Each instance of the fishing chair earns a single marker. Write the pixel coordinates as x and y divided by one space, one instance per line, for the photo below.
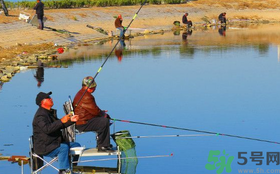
37 162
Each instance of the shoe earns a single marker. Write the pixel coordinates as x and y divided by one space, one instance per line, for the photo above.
105 149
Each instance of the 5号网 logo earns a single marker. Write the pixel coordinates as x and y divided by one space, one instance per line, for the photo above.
220 163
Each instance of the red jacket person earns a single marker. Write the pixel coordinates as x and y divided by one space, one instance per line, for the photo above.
92 118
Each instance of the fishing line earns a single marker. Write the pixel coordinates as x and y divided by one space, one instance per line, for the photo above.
100 68
108 159
194 130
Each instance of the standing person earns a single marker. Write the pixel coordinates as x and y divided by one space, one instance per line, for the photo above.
40 13
222 18
47 135
186 21
118 25
92 118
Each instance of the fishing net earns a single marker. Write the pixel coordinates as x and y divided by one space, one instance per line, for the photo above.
123 141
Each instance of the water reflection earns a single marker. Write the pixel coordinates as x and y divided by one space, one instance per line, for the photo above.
222 30
119 50
186 34
39 76
262 48
95 169
185 49
224 80
1 85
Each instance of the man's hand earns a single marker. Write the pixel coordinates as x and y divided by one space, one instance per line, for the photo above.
75 118
65 118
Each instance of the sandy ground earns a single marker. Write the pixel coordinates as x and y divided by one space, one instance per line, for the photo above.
14 32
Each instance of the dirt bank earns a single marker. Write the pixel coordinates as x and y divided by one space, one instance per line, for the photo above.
18 36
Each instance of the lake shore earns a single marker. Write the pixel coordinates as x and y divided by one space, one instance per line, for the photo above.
151 17
69 26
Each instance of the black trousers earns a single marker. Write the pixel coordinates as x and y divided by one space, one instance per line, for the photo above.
101 125
189 23
223 20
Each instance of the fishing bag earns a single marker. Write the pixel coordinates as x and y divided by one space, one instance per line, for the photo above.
122 139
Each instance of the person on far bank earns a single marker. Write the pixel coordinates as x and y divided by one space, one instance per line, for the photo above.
47 135
92 118
118 25
222 18
40 13
186 21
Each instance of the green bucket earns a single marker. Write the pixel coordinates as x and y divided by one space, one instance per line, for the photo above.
123 141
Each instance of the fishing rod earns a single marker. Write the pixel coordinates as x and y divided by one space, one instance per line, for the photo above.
164 136
100 68
108 159
134 17
194 130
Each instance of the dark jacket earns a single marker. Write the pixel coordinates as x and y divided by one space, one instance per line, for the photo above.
222 16
118 22
185 19
87 107
47 134
39 10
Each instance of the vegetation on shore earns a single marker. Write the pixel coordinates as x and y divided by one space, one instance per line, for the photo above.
54 4
229 4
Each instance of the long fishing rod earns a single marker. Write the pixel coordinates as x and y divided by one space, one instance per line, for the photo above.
194 130
100 68
134 17
136 157
164 136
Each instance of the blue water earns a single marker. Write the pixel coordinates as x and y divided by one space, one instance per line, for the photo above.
229 91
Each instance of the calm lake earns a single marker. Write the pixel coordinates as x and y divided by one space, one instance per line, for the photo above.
226 82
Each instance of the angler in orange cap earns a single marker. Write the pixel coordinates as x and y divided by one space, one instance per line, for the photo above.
47 135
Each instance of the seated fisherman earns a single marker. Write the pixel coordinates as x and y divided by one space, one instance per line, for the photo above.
186 21
47 135
92 118
222 18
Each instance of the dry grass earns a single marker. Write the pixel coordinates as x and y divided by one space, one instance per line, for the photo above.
13 16
83 15
29 49
50 18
